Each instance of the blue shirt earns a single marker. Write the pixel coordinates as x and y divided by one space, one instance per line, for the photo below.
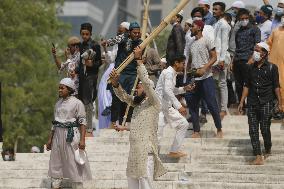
209 19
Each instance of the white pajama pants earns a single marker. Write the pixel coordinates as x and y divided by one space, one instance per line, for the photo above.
177 121
143 182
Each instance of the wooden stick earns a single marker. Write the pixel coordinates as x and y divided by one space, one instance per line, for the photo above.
155 33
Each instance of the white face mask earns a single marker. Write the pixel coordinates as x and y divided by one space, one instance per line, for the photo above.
256 56
244 23
196 18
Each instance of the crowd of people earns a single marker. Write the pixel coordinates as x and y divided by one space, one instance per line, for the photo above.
217 59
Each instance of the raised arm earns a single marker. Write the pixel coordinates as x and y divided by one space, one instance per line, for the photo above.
116 40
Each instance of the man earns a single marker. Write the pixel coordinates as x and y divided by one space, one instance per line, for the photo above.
203 57
88 72
261 87
176 40
104 94
263 19
172 109
222 32
246 38
208 18
279 12
236 6
143 161
126 43
276 56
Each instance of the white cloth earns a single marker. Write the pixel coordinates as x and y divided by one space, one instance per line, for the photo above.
143 182
265 29
166 89
221 35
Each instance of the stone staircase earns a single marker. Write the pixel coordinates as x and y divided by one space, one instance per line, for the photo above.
211 164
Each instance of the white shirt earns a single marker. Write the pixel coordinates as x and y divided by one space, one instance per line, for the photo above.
221 34
265 29
166 89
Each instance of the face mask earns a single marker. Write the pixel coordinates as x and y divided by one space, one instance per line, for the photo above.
259 19
244 23
196 18
7 157
256 56
279 11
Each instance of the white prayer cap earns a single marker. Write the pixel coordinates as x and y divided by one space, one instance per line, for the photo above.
238 4
125 25
204 2
80 156
181 13
35 149
281 1
164 60
68 82
190 21
264 45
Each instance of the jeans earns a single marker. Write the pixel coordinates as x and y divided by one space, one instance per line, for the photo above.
205 89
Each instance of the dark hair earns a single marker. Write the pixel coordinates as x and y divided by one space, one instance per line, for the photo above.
243 12
228 15
138 99
180 18
221 4
86 26
197 9
71 91
178 58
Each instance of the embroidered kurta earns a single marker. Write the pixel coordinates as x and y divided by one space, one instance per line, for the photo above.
143 129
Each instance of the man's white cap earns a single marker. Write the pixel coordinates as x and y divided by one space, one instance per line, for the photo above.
80 156
180 13
125 25
190 21
68 82
164 60
35 149
264 45
204 2
238 4
281 1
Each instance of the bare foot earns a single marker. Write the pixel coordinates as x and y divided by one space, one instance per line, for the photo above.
219 134
177 154
112 125
196 135
258 161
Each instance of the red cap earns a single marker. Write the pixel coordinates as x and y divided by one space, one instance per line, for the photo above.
199 23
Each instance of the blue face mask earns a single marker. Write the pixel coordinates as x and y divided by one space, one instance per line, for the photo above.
259 19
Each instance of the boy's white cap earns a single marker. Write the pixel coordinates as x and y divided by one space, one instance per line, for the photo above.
68 82
238 4
264 45
80 156
125 25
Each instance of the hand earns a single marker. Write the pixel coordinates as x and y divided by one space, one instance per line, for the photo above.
89 62
67 53
240 107
200 72
53 50
280 108
250 61
231 68
182 111
82 145
137 53
189 87
48 145
221 64
119 128
114 78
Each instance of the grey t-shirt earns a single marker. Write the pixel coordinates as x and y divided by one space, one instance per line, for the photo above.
200 55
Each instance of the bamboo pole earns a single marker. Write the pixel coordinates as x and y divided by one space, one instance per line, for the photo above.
155 33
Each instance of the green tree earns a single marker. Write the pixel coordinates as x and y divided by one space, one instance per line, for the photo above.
27 72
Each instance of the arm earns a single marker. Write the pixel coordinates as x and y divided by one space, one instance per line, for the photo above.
276 86
81 119
49 142
147 84
244 96
257 35
169 91
82 144
116 40
266 2
56 59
